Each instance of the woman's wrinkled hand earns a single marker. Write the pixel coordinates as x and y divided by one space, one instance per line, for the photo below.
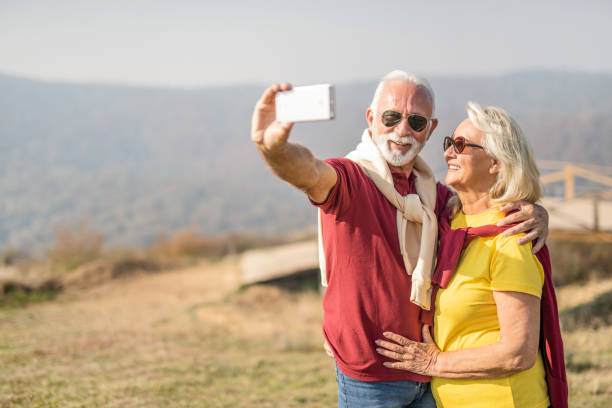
411 355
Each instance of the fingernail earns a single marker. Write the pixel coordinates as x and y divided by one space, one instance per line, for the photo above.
387 364
378 350
378 341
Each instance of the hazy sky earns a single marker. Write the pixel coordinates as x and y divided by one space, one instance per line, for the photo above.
185 43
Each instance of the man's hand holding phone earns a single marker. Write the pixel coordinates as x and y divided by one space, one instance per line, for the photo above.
293 162
266 131
282 105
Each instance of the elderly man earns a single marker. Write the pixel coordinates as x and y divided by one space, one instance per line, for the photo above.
378 225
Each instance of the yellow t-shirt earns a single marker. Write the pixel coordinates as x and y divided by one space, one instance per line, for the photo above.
466 317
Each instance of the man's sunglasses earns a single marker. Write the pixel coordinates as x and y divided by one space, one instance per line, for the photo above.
458 144
391 118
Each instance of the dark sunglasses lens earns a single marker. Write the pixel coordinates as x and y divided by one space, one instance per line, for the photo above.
417 122
448 142
459 143
391 118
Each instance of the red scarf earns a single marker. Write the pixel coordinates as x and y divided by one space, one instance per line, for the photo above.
451 243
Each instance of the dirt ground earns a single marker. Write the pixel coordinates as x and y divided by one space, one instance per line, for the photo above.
186 338
194 338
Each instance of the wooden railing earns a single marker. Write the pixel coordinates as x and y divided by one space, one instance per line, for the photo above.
568 172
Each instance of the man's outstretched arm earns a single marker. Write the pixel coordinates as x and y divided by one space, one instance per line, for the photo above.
291 162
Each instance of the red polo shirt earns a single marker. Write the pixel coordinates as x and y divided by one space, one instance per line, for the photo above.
368 289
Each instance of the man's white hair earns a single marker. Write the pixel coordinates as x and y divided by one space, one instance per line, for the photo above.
399 75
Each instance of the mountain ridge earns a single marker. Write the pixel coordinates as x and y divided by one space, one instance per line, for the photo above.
137 162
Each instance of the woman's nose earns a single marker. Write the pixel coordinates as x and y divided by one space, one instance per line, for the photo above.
449 153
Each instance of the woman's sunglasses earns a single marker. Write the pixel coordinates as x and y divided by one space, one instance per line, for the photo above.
391 118
458 144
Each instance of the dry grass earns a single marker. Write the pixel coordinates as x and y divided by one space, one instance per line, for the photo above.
588 357
182 339
580 256
192 338
73 246
588 350
76 259
191 244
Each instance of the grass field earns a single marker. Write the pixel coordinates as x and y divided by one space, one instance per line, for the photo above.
194 338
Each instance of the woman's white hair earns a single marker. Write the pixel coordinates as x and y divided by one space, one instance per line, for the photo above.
399 75
518 178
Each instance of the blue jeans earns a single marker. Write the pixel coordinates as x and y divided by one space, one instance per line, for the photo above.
393 394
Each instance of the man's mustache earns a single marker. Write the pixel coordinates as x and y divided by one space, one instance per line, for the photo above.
394 137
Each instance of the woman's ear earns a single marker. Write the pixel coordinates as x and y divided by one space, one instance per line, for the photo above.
495 167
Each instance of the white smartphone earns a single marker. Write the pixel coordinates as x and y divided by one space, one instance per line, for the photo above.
305 103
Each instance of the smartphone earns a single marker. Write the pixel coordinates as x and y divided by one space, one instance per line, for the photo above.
306 103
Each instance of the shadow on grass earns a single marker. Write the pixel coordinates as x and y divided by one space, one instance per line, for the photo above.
305 281
594 314
573 363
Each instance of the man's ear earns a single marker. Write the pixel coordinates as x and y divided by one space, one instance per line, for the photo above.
495 167
370 117
434 124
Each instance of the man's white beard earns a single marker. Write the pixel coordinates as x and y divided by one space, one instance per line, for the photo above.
397 158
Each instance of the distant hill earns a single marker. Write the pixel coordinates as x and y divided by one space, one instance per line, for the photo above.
139 162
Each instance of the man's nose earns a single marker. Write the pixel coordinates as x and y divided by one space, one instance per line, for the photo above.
403 128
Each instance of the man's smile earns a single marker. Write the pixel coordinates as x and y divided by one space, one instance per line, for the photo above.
398 144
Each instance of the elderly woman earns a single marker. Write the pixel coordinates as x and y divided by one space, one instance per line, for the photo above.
487 313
